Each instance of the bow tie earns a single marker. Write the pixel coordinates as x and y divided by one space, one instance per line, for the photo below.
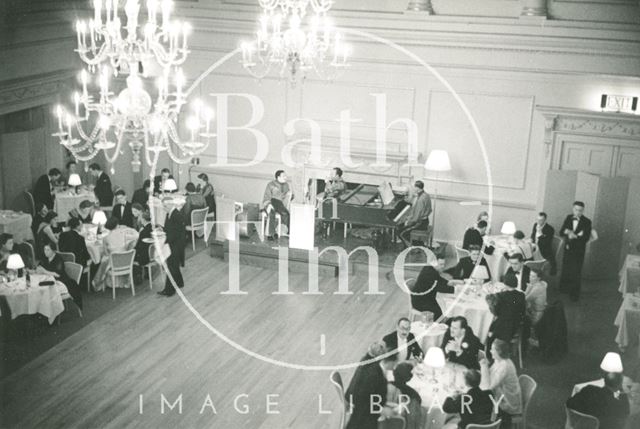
516 272
576 218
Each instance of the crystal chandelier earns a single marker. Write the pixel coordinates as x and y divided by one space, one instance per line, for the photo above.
104 120
295 41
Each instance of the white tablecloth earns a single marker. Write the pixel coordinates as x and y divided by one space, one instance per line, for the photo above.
46 300
630 388
630 274
428 336
69 200
628 321
17 224
498 264
474 308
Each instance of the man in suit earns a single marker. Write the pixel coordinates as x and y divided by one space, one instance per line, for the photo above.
509 309
576 232
460 344
517 272
71 241
277 195
158 181
474 406
403 342
474 237
424 291
465 265
542 235
142 248
141 196
103 190
43 189
84 212
418 217
607 403
367 393
122 209
174 227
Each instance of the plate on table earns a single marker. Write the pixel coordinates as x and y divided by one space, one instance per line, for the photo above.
148 240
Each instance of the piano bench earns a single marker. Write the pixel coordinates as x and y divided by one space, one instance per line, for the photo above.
425 236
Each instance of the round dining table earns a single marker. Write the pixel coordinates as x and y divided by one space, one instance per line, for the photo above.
471 305
68 200
20 298
17 224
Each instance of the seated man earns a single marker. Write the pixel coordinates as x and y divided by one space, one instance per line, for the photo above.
465 266
509 309
193 201
474 406
517 273
334 186
418 217
122 209
141 196
542 236
84 212
277 196
71 241
403 342
474 236
424 291
607 403
460 345
158 181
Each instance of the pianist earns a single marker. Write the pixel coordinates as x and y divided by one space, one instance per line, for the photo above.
418 217
334 186
276 199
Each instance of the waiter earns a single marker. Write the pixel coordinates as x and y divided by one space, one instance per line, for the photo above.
576 232
174 227
418 215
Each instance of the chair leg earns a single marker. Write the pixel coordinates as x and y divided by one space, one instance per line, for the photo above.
150 277
133 286
193 240
89 277
113 286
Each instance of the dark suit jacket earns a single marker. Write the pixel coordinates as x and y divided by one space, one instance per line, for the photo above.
141 197
600 402
71 241
368 380
103 190
469 355
126 217
477 411
174 227
465 267
510 310
42 192
142 248
157 183
579 245
422 301
76 214
473 237
510 276
391 340
545 241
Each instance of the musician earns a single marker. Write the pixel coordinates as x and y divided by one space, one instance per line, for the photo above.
334 186
276 199
418 215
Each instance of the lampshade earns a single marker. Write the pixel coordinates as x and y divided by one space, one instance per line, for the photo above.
434 357
480 273
169 186
74 180
508 228
438 160
611 363
15 262
99 218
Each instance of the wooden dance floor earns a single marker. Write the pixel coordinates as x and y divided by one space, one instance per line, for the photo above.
154 346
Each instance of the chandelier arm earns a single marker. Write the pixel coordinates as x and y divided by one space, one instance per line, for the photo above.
116 151
269 4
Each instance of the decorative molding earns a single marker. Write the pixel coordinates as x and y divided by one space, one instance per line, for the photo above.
534 8
577 121
422 6
19 95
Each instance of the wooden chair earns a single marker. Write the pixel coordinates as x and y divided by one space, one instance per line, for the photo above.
67 256
74 271
413 313
395 422
336 379
152 263
540 265
578 420
557 248
516 344
198 222
461 253
26 250
494 425
121 264
528 387
32 204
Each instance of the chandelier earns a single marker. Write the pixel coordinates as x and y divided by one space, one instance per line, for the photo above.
295 41
103 120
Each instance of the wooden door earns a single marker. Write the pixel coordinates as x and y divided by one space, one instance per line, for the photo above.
15 165
586 157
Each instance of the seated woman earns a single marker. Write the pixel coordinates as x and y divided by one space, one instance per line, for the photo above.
120 239
193 201
206 189
45 233
136 211
84 212
411 411
536 297
6 248
467 264
520 245
53 265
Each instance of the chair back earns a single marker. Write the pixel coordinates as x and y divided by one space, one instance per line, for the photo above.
528 387
31 202
494 425
67 256
122 262
336 379
578 420
539 265
25 249
461 253
73 270
198 217
633 279
557 247
395 422
152 253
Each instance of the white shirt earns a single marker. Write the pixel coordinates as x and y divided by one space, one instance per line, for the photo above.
402 347
575 223
519 277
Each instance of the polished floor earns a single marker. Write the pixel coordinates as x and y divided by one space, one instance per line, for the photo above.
115 371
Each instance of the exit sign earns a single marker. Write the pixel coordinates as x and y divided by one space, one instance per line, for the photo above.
618 103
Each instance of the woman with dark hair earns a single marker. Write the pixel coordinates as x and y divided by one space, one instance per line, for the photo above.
411 412
522 246
206 189
120 239
6 248
53 265
45 232
193 201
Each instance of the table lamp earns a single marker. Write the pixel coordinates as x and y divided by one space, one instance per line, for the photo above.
508 228
434 359
169 186
480 273
99 218
611 363
15 263
437 161
74 180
